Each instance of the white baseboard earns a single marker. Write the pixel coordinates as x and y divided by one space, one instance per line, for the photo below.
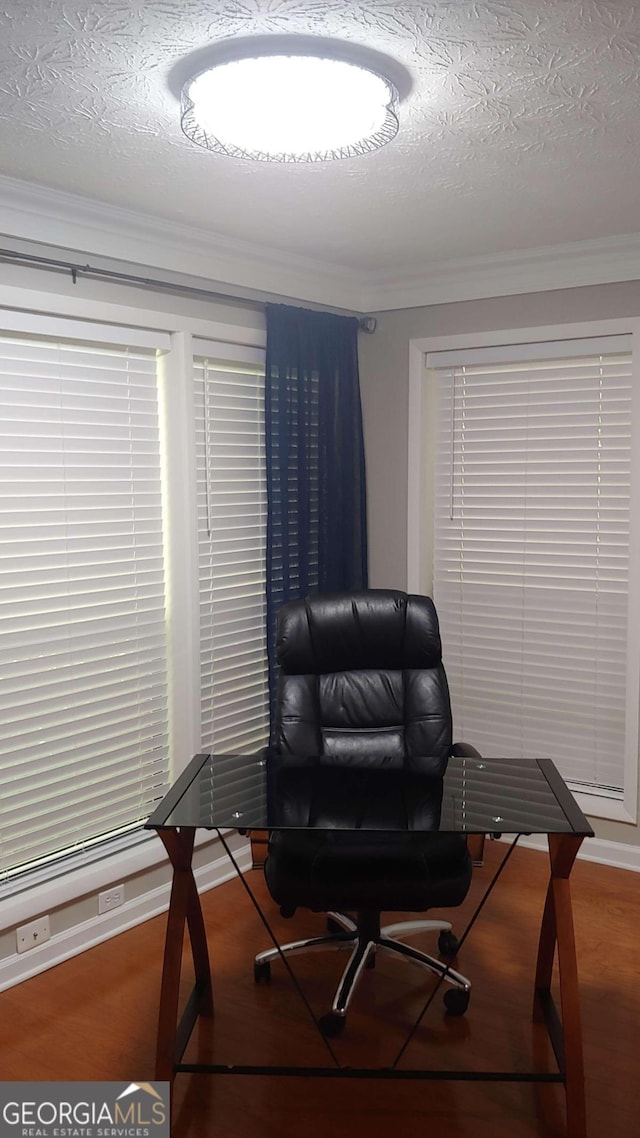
617 854
14 969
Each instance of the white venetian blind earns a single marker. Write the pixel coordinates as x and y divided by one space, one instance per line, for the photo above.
83 706
531 561
232 519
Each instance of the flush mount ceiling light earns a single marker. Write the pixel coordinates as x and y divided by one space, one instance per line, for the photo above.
289 107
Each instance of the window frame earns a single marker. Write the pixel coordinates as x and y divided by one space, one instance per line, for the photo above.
420 521
34 310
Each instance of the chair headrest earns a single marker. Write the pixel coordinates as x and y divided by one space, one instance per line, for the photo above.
372 628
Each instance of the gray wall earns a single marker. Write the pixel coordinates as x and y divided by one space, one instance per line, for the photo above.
384 377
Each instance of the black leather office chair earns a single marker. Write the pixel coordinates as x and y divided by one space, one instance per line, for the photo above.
363 694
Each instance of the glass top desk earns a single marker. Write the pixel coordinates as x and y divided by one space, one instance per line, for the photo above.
476 796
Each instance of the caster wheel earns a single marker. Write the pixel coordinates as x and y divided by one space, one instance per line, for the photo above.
262 972
332 1025
448 943
456 1001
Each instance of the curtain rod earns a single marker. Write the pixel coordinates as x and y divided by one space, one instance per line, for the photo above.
365 323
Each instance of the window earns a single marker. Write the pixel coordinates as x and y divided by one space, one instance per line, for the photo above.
83 740
532 541
232 519
131 579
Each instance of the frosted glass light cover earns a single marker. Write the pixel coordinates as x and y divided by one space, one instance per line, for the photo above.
286 108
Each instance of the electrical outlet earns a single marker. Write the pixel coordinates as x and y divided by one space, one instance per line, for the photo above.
112 898
36 932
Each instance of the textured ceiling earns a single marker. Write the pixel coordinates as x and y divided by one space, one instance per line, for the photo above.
521 128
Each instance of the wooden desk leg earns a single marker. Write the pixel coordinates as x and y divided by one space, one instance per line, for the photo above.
184 908
557 931
475 845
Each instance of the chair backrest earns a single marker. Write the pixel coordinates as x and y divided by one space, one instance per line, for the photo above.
361 681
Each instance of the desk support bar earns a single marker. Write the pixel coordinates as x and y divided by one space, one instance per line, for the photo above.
389 1073
274 939
478 910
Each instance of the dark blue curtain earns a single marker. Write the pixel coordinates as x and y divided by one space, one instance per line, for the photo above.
316 522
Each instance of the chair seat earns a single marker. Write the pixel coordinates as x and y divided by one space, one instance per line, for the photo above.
336 870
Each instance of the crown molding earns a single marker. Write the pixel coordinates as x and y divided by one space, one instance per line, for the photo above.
571 265
69 221
78 224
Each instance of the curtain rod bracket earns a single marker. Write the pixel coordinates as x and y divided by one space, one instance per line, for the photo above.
367 323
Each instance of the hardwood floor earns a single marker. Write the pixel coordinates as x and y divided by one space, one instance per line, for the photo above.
94 1017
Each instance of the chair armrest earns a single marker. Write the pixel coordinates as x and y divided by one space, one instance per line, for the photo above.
465 751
